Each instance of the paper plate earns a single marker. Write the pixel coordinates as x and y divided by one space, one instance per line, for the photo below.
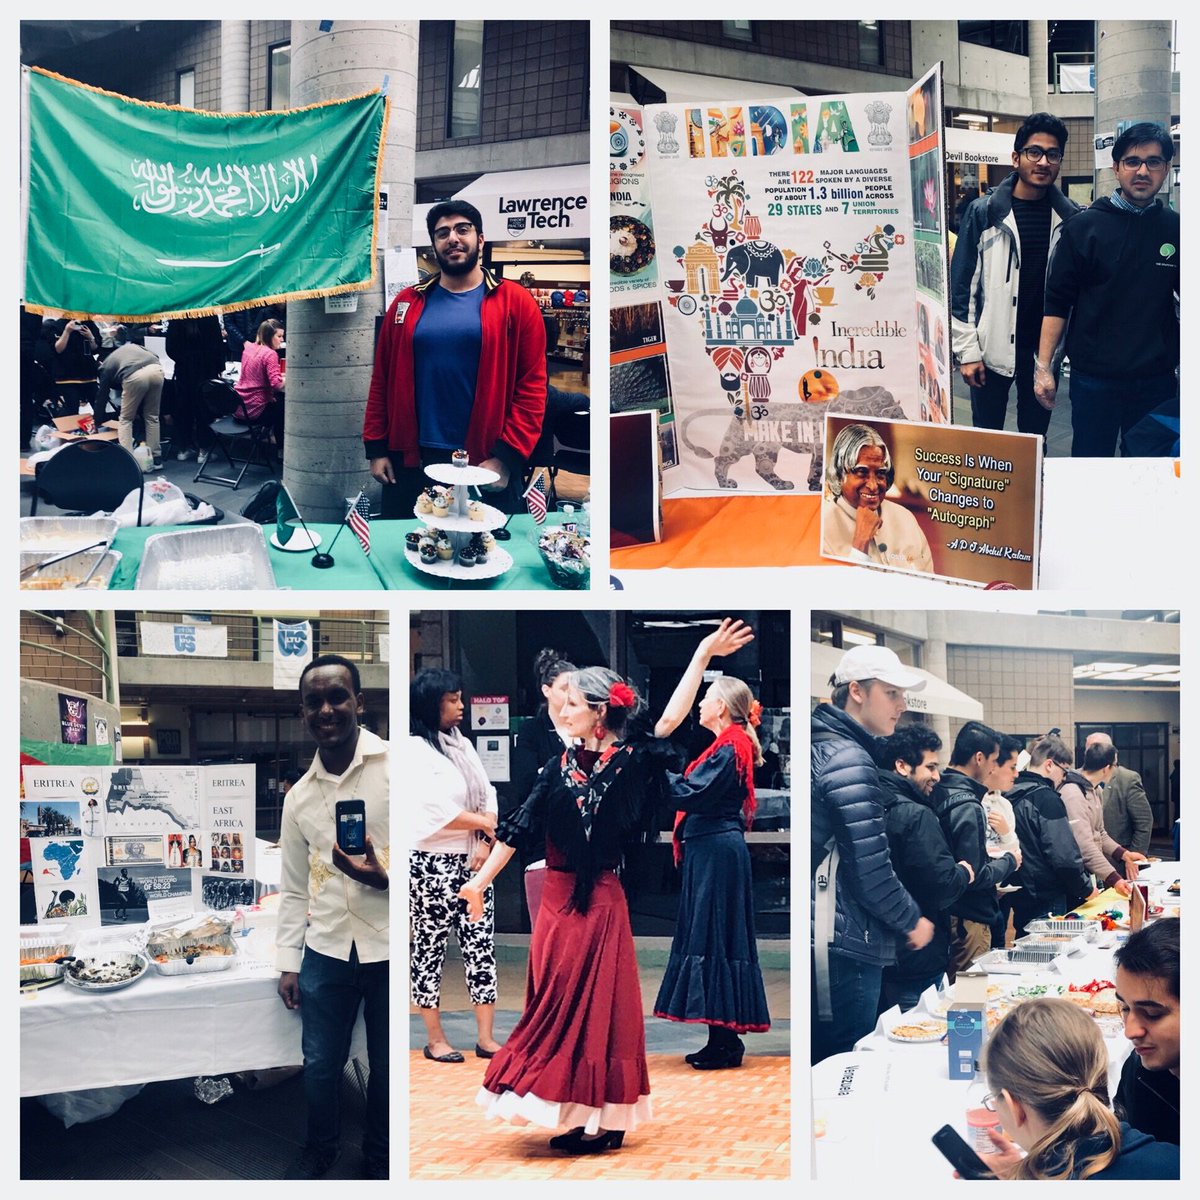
301 539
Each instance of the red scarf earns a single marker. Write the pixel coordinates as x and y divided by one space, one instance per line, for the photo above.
743 753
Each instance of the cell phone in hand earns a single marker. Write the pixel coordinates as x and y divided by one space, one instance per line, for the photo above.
959 1155
351 825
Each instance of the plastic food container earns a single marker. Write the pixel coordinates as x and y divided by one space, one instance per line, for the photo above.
220 558
69 574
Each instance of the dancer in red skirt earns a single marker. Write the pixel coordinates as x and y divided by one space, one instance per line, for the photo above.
577 1057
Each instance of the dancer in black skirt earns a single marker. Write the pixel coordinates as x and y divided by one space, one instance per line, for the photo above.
713 977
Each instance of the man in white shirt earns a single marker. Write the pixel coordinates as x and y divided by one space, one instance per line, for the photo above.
339 959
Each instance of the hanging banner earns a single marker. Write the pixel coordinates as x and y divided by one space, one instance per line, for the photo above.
138 210
292 653
192 641
785 235
958 503
72 719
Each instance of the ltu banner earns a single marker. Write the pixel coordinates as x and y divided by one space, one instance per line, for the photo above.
292 653
791 235
140 210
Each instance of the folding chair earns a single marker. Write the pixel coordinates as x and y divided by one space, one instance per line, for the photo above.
221 399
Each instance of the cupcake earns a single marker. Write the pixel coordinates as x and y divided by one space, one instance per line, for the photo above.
428 553
444 548
412 539
467 556
487 541
425 502
459 458
475 510
481 554
441 503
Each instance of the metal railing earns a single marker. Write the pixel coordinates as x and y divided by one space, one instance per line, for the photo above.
97 675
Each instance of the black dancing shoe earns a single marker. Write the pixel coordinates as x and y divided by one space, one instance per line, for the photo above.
575 1143
480 1052
721 1058
706 1051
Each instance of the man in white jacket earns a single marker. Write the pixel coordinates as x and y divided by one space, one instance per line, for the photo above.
332 935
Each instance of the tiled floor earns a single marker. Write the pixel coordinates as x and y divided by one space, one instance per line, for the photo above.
717 1125
727 1125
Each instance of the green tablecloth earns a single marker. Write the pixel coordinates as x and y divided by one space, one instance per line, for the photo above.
352 570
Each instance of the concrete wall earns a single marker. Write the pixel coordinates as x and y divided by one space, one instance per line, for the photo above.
40 716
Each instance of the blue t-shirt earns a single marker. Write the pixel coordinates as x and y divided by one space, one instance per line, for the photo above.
446 346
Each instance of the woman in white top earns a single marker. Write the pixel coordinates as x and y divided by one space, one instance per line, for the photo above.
454 822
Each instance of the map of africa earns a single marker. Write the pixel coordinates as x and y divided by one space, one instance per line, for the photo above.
61 859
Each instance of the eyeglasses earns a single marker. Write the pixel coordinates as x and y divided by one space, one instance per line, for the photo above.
440 235
1136 164
989 1101
1036 154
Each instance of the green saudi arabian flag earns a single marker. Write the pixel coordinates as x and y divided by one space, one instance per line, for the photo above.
140 210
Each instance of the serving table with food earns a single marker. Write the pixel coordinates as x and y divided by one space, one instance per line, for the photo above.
132 1005
895 1083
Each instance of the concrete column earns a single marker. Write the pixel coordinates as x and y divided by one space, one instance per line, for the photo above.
330 355
235 66
1039 37
934 660
1133 80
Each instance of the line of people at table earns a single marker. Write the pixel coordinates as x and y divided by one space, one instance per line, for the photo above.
921 852
907 858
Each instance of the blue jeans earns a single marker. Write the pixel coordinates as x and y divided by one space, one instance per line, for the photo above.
330 994
854 987
1102 409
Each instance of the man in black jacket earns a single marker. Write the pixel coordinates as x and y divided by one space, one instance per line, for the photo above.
860 908
1051 878
1148 987
909 771
958 802
1115 275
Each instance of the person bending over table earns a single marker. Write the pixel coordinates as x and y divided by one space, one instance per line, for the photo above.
332 934
1047 1068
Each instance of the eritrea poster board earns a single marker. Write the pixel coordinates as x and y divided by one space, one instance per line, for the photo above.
85 825
964 504
786 259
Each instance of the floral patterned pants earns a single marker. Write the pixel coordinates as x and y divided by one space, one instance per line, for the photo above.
434 906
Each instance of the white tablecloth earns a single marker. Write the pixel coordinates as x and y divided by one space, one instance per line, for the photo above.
161 1027
876 1108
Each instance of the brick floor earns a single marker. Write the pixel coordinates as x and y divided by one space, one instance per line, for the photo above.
719 1125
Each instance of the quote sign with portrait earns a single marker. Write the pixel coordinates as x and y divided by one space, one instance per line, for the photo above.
943 501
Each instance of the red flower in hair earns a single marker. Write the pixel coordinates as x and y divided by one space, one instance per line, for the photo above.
755 717
620 695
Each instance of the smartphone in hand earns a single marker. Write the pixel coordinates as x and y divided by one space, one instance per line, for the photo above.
959 1155
351 825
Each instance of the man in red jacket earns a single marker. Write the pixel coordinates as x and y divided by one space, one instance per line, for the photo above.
460 363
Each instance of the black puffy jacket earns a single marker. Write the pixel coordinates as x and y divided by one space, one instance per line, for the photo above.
1051 864
847 805
958 802
924 865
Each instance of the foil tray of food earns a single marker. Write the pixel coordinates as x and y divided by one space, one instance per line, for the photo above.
50 536
106 971
217 558
191 955
71 572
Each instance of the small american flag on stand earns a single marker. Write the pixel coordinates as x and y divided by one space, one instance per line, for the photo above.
535 498
359 519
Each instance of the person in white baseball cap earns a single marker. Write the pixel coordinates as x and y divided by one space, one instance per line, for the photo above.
860 909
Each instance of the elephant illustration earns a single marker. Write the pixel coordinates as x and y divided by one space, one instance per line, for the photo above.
755 261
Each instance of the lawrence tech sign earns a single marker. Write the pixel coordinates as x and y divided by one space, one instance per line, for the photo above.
534 214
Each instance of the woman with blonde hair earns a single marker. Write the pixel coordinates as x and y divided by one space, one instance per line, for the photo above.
1047 1066
712 976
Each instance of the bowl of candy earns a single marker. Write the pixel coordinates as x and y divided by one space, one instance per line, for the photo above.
567 556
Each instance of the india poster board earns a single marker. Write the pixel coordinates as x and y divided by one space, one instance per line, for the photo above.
786 258
961 504
927 153
632 273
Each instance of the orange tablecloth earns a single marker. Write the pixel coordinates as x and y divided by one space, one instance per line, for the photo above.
733 531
